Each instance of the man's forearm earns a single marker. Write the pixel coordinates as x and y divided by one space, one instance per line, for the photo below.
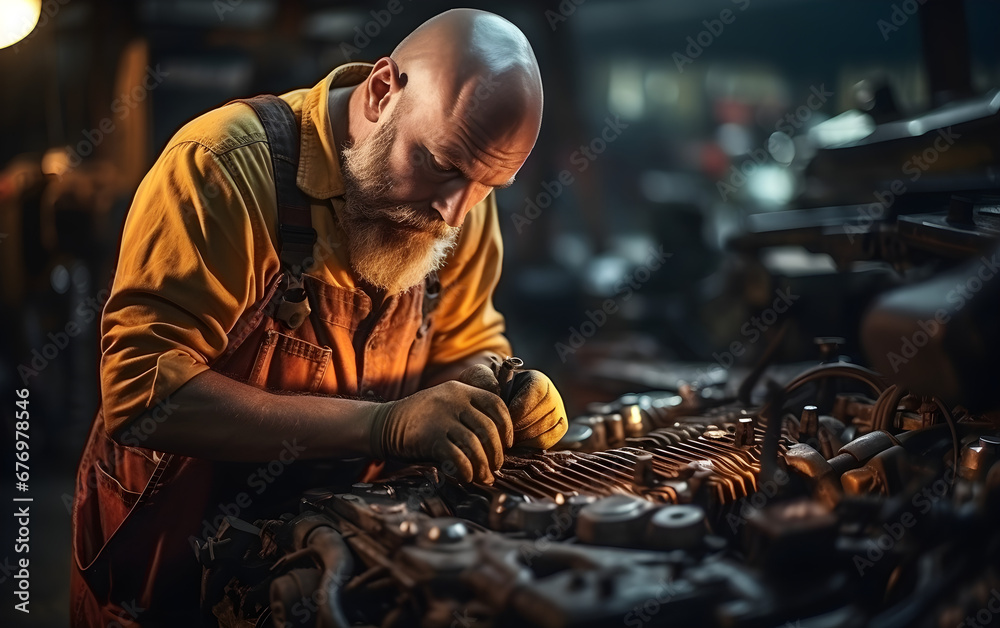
213 416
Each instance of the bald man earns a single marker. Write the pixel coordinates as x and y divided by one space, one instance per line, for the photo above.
303 280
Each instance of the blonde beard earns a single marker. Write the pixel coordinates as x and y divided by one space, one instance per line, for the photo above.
394 261
391 247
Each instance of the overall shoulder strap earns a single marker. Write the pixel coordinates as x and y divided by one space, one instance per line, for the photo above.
296 236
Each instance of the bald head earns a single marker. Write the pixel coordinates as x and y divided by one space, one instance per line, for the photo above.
481 64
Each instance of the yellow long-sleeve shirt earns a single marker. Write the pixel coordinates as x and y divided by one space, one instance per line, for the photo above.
199 247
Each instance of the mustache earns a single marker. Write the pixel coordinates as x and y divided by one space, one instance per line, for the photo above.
369 205
409 216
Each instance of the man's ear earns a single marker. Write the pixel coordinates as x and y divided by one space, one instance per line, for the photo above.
382 86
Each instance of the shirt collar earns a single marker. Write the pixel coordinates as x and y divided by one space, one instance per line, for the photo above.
319 163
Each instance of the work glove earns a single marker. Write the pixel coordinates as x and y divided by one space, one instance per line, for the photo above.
536 408
462 427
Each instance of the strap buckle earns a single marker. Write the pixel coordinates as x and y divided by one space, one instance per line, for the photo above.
293 313
293 309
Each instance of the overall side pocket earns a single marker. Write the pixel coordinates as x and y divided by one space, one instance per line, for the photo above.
289 364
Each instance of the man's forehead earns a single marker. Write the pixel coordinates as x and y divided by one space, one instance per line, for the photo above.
474 155
472 144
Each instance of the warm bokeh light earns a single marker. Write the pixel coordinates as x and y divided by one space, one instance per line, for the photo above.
17 19
55 162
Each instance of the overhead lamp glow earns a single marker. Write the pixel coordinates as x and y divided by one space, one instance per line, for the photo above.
17 19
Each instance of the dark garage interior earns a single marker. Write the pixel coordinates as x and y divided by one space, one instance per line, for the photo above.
752 249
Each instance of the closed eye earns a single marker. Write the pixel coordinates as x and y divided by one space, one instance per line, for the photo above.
448 168
436 164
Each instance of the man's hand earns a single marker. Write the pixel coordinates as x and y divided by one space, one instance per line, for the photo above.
536 408
451 422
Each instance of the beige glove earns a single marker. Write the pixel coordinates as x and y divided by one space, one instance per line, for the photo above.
536 408
462 427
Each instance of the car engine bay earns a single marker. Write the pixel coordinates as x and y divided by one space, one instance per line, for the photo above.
877 508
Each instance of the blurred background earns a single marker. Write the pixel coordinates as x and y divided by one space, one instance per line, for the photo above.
687 149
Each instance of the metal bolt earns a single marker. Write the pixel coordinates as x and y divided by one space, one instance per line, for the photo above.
506 371
614 430
977 459
644 476
505 374
829 347
745 436
809 422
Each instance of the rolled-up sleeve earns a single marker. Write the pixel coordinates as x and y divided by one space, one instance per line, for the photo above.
185 274
467 322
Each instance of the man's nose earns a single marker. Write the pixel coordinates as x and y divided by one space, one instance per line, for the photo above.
454 200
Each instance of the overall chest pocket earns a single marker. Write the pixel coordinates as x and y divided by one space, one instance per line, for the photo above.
289 364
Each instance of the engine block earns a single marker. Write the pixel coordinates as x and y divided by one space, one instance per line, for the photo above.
659 509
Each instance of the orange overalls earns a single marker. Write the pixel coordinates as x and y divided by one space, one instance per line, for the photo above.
138 513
